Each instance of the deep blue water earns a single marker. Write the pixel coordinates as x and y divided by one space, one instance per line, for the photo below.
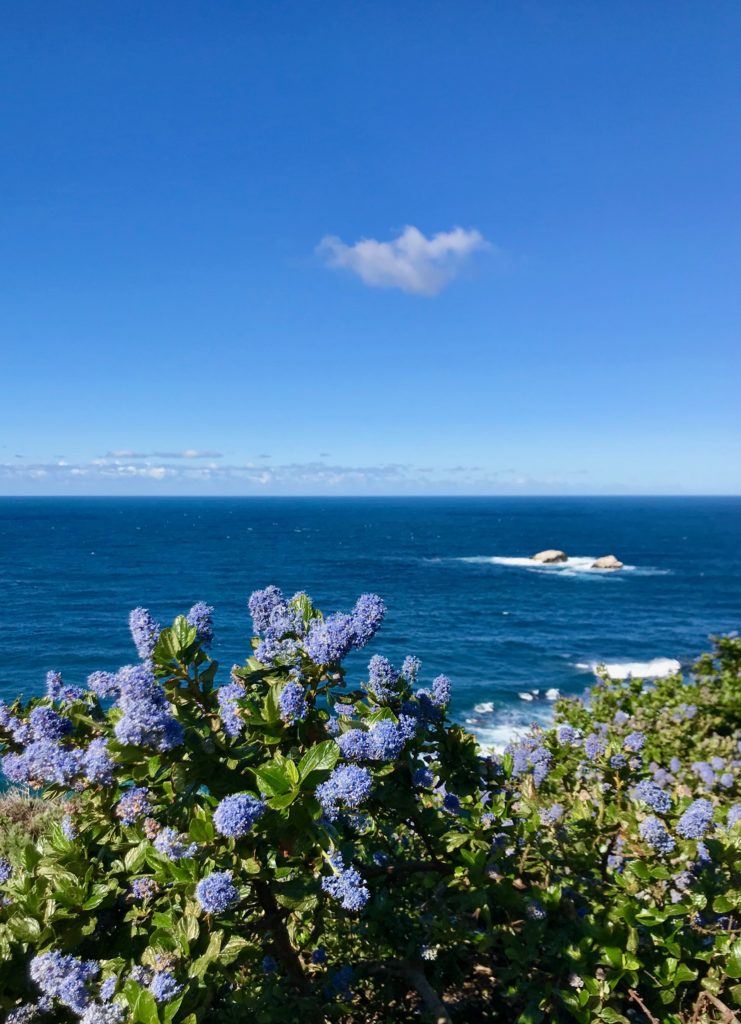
70 570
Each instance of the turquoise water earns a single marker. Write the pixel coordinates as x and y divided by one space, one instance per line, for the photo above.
453 572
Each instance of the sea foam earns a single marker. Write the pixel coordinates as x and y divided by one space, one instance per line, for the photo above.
576 565
656 668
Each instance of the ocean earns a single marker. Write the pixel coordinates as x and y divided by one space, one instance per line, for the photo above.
455 573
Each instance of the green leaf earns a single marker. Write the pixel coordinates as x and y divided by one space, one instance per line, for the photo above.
297 894
320 757
722 904
278 803
201 830
613 956
27 929
684 973
135 857
292 772
233 948
272 778
733 966
145 1008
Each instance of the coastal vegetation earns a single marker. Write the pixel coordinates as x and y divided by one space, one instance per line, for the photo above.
292 846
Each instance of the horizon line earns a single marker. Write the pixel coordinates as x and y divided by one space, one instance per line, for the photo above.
371 497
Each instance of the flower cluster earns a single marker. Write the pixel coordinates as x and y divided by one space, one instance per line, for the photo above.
653 831
228 698
145 632
216 892
346 885
134 804
147 719
384 741
171 844
65 978
144 888
200 616
696 820
59 692
347 787
382 678
650 793
292 703
236 815
530 755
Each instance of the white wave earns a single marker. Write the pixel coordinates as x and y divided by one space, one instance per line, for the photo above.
656 668
496 737
552 694
525 696
485 708
576 565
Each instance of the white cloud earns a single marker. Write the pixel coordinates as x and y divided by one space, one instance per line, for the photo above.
188 453
411 262
183 476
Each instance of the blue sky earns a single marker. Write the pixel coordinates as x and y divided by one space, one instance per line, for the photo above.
545 297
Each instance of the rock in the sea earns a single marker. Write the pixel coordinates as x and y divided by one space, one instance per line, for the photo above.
607 562
550 556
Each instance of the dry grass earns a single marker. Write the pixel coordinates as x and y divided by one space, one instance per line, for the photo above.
24 817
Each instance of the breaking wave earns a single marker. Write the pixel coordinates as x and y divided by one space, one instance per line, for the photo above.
576 565
656 668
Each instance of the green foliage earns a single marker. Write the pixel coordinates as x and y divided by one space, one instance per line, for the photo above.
556 916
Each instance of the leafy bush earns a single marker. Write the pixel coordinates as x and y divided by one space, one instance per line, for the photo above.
288 847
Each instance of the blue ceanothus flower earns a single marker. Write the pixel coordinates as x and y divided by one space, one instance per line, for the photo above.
367 615
595 744
104 1013
529 755
440 696
134 804
97 762
48 725
262 604
236 815
330 640
201 616
422 778
144 631
384 741
292 703
346 885
58 691
653 831
347 787
653 795
104 684
144 888
44 761
147 719
634 742
164 987
410 668
228 697
174 845
216 892
383 679
551 815
696 820
65 978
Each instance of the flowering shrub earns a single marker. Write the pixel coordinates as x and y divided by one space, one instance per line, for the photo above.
287 846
